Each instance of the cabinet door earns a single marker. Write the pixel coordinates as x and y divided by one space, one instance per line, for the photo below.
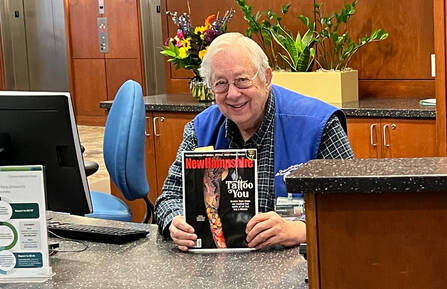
120 70
89 85
151 166
168 131
364 135
124 35
408 138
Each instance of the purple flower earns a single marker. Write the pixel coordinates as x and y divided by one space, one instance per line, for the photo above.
211 34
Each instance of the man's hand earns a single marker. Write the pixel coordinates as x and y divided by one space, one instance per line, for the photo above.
182 233
266 229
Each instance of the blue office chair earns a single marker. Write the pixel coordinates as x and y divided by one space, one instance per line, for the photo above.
123 149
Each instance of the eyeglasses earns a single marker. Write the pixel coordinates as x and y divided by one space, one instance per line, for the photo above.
222 86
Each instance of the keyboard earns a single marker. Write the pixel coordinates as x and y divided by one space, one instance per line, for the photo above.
95 233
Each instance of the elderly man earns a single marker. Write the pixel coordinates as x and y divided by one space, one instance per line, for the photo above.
286 128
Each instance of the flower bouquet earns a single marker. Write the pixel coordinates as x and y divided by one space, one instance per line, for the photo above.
187 48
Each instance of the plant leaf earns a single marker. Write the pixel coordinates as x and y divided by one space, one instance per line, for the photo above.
285 40
303 60
285 8
287 60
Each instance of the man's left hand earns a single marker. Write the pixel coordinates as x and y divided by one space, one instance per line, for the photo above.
266 229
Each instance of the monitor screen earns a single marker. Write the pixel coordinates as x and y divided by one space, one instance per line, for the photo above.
40 128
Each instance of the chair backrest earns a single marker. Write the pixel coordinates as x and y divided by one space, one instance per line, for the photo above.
124 137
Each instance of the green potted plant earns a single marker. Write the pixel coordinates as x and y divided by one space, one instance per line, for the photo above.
330 49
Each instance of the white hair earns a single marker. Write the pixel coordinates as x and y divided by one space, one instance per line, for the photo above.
234 40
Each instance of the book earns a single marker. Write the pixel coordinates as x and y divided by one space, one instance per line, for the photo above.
220 196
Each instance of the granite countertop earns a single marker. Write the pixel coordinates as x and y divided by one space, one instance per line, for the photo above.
370 176
392 108
369 107
153 262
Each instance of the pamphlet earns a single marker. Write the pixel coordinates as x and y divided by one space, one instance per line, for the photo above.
220 196
23 230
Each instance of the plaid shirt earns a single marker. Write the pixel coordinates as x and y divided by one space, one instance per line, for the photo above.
334 144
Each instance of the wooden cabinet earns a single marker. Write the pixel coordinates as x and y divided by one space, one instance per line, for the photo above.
168 134
392 138
164 133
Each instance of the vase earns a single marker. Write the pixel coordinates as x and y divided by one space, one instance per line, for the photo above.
200 90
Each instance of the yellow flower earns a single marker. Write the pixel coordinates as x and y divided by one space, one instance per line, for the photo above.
202 53
200 29
186 43
182 52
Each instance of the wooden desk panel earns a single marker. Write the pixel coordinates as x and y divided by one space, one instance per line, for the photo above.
371 240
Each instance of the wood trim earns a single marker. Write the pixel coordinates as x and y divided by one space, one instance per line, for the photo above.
313 263
140 49
2 69
69 52
440 80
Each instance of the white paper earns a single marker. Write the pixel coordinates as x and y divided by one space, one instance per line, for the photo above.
23 230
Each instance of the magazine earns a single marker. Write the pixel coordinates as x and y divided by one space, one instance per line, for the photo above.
220 196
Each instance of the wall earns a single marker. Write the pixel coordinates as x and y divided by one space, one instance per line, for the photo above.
396 67
96 76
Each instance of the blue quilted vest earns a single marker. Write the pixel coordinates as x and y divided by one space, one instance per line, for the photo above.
298 127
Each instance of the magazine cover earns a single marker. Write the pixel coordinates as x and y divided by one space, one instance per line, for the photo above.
220 196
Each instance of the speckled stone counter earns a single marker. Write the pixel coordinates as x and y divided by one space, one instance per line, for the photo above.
369 107
370 175
153 262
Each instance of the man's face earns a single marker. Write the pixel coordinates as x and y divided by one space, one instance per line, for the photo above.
245 107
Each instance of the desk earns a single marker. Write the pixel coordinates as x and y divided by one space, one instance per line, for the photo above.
153 262
375 223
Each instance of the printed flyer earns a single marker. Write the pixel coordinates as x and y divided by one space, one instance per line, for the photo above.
220 196
23 231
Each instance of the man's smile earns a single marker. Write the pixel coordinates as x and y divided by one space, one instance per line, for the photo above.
237 106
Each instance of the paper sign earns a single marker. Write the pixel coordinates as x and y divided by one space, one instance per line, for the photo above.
23 230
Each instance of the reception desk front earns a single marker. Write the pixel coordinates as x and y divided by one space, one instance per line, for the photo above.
376 223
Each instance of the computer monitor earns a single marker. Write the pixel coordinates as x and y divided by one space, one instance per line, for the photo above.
40 128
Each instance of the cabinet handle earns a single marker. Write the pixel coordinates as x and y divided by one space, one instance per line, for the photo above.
145 128
155 126
371 136
384 135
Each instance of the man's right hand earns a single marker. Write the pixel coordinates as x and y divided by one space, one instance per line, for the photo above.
182 233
